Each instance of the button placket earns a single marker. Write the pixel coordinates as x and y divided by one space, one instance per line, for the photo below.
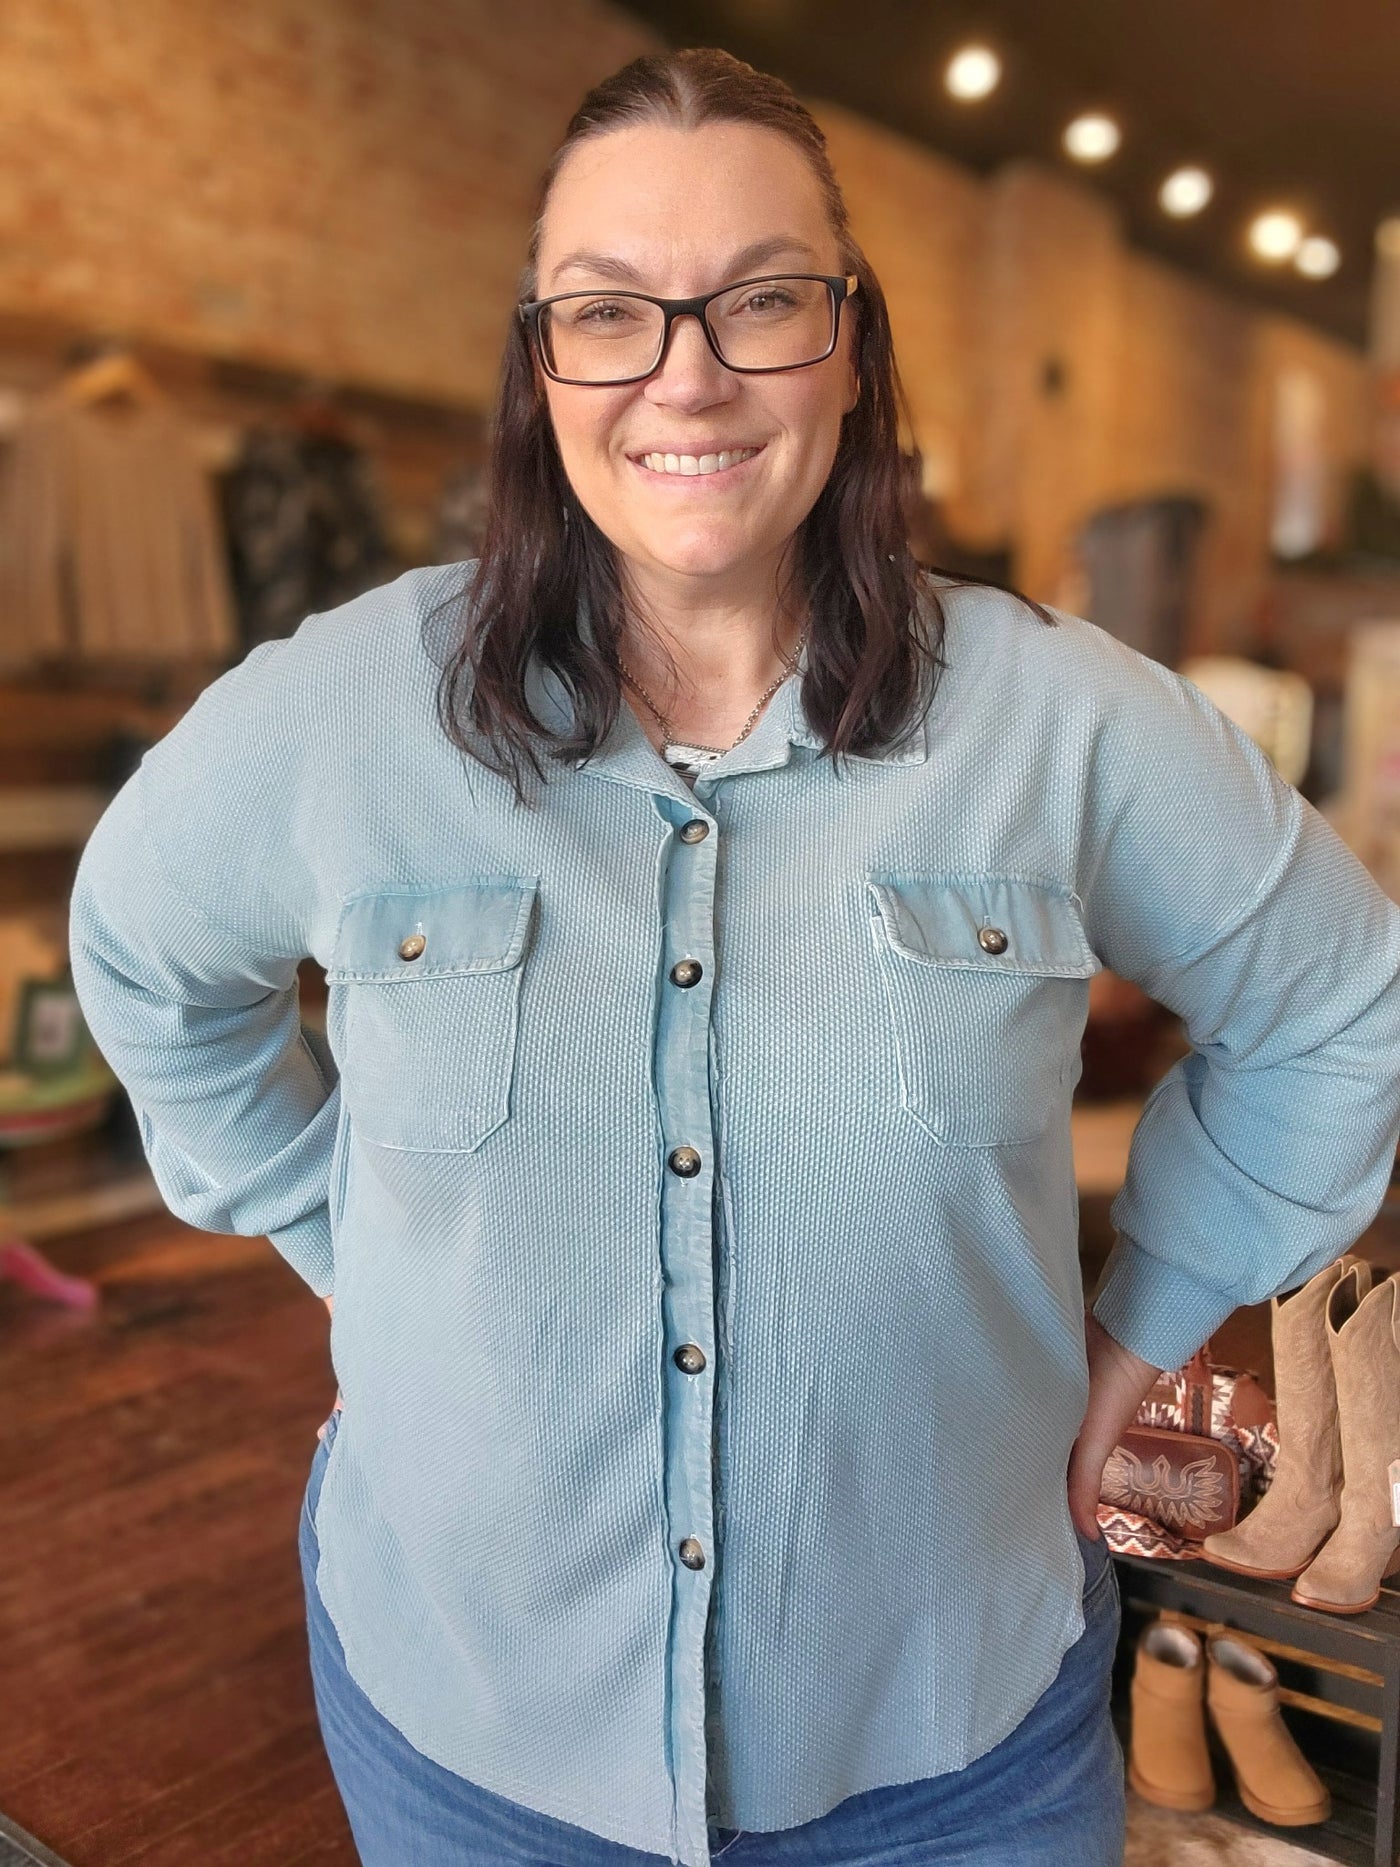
688 872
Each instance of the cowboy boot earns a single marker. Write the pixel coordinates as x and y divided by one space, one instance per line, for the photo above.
1168 1763
1275 1780
1299 1511
1345 1576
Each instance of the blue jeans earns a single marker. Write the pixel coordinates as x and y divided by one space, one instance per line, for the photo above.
1049 1795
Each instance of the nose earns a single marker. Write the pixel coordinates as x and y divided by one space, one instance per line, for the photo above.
690 375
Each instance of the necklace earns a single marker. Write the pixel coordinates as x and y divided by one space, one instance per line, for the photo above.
684 755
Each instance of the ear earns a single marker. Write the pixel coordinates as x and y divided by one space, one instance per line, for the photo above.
852 329
854 391
853 370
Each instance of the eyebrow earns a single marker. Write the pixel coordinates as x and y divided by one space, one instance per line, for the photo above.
759 253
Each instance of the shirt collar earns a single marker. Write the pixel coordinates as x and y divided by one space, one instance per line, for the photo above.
627 756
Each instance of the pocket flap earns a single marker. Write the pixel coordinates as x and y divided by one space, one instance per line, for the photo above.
985 922
476 927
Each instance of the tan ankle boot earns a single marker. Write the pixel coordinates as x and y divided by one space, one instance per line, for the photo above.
1301 1507
1275 1780
1168 1763
1345 1577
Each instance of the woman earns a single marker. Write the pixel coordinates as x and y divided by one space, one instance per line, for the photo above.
689 1159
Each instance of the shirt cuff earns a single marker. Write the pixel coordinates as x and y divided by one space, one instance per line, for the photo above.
1156 1309
307 1247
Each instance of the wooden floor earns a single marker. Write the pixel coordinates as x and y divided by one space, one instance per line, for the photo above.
156 1706
154 1700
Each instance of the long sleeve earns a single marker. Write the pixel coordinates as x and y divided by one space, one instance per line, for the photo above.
1265 1152
189 984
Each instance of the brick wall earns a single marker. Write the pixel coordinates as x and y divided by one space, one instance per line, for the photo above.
341 185
1053 369
344 187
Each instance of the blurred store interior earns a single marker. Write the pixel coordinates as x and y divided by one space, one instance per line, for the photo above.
256 265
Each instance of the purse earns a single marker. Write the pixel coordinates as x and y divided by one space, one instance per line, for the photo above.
1203 1445
1183 1482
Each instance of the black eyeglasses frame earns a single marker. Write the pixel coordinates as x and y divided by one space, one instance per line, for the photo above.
841 287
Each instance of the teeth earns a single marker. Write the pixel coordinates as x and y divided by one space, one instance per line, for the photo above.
693 464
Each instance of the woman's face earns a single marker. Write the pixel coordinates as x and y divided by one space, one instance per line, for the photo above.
676 213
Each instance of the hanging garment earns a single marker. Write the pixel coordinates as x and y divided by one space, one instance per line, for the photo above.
461 515
1373 518
304 528
1140 558
109 537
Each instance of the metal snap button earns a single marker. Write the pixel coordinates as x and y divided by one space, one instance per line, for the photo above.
413 947
991 940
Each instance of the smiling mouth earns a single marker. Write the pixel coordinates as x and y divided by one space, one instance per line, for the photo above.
695 466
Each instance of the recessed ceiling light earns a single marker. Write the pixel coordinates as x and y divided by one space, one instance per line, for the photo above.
1318 258
1185 191
1092 138
972 73
1276 236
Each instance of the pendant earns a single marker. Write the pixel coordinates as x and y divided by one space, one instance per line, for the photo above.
689 758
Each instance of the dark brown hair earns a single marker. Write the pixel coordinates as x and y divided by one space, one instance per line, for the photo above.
876 625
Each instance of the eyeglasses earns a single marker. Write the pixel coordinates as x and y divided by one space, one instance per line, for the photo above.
754 326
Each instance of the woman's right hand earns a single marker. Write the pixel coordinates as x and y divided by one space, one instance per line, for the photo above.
320 1430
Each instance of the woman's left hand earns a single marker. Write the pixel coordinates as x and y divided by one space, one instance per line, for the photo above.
1118 1381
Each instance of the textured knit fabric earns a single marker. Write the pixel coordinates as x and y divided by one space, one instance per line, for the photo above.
1049 1795
534 1165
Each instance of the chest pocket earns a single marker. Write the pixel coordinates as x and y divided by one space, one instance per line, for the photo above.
986 981
432 998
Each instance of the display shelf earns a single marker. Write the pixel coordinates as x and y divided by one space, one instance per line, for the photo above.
61 728
1339 1678
50 816
71 1186
1349 1831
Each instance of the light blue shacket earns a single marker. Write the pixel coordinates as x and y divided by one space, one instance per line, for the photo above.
711 1335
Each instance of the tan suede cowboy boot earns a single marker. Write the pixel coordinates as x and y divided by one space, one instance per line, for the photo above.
1274 1779
1168 1763
1345 1577
1301 1508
